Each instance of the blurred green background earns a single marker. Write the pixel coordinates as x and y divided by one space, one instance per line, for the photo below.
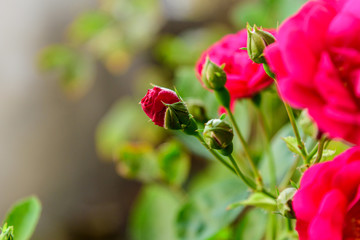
72 132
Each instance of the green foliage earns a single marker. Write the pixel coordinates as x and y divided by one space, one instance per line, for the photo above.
205 213
75 69
174 163
125 122
186 48
252 225
266 13
137 161
87 25
23 216
154 213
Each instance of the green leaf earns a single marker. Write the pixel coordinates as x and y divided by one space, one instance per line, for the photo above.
252 226
257 200
205 213
24 216
292 144
154 214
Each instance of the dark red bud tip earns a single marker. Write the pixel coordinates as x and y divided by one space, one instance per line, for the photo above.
153 103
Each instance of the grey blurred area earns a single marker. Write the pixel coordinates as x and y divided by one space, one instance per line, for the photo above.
46 140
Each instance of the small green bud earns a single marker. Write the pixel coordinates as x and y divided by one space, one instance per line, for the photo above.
7 232
284 202
213 76
218 134
257 41
197 109
176 116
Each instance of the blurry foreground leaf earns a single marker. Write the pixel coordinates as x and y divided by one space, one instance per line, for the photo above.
154 213
24 216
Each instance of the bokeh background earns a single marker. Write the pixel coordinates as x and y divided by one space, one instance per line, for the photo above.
63 66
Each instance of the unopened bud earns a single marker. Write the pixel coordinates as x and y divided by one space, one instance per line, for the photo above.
284 202
257 41
176 116
213 76
218 135
197 109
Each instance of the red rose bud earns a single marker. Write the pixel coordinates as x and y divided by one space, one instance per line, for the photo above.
213 76
154 103
257 41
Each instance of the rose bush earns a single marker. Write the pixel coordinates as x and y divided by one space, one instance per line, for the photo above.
153 103
327 203
244 77
316 60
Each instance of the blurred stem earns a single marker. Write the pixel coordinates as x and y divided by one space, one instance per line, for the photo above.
296 131
290 113
289 225
247 181
320 150
311 154
246 149
289 174
265 130
214 153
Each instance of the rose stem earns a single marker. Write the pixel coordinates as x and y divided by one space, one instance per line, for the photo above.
214 153
265 130
246 149
320 150
291 116
296 130
248 182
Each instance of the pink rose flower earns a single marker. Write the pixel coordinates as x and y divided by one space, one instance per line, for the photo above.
244 77
153 103
327 204
316 60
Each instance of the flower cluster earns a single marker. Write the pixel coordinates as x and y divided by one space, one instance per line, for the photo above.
315 62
